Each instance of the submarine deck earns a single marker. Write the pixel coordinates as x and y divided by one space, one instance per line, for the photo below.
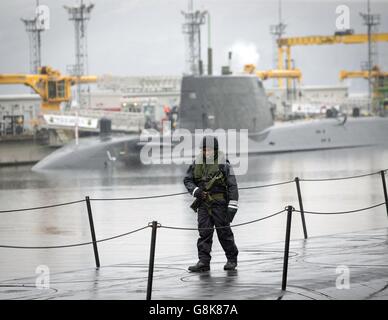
316 269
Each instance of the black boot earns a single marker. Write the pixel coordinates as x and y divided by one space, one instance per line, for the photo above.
230 265
200 267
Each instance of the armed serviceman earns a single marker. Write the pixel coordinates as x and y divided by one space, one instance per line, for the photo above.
211 181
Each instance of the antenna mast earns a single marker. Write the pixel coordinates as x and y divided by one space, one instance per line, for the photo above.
80 14
372 22
192 30
34 27
277 31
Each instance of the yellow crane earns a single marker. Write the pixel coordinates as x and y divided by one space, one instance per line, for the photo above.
274 74
362 74
380 87
52 87
285 44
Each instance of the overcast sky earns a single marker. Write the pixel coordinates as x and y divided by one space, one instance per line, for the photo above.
144 37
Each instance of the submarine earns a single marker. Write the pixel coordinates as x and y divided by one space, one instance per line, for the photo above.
225 102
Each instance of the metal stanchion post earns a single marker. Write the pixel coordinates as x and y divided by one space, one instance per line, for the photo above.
90 215
287 247
384 189
152 259
301 206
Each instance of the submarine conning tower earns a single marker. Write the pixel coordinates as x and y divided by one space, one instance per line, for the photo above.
224 102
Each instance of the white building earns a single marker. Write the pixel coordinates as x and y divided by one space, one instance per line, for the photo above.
314 99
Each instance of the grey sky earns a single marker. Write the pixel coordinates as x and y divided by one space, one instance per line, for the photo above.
143 37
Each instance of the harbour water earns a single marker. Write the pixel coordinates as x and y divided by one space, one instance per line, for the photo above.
22 188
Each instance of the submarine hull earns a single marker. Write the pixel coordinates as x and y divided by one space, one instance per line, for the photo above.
95 153
225 102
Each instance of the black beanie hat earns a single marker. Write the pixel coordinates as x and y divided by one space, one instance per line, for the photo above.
210 142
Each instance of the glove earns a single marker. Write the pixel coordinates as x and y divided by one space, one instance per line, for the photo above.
232 210
200 194
197 192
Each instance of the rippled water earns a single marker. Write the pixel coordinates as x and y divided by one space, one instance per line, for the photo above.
20 187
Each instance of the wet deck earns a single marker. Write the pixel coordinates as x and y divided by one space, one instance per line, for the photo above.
312 274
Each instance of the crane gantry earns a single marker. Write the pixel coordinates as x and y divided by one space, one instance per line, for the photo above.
52 87
285 44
